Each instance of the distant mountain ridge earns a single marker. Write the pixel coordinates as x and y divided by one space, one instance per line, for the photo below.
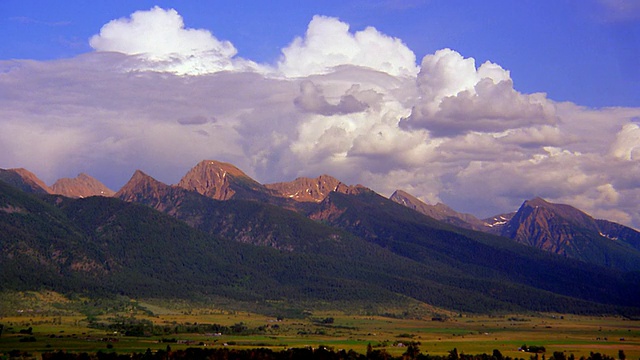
257 243
241 218
555 228
461 252
82 185
439 211
565 230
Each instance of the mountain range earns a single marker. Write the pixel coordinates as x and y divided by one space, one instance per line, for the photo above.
556 228
220 232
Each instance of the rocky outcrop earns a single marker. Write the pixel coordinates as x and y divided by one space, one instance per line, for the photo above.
304 189
81 186
144 189
439 211
24 180
220 181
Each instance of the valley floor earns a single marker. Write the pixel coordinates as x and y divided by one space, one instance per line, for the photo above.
141 326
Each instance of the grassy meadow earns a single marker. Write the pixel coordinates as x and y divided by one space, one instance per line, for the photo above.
80 325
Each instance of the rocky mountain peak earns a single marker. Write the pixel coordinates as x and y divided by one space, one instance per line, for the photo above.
215 179
81 186
304 189
24 180
549 226
218 167
566 212
537 201
565 230
140 176
140 186
404 198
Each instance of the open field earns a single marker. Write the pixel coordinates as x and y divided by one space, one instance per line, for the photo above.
37 331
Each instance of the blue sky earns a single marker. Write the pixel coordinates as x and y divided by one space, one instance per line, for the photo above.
477 104
580 51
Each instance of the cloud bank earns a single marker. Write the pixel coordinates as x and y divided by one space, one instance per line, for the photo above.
159 96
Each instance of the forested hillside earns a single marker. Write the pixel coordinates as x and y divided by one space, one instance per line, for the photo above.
372 254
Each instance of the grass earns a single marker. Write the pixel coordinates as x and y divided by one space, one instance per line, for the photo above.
68 329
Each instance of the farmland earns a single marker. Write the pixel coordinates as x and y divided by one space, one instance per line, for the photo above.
136 326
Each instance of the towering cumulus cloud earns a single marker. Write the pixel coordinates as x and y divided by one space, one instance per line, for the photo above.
160 37
457 98
160 96
328 43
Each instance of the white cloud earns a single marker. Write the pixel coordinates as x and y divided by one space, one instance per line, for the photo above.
157 33
457 98
627 144
447 73
160 38
328 43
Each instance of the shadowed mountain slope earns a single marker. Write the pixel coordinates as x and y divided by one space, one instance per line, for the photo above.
24 180
463 266
352 247
567 231
482 256
439 211
107 246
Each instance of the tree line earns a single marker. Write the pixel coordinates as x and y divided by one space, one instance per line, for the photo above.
320 353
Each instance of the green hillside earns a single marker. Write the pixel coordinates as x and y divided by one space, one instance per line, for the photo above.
104 246
490 260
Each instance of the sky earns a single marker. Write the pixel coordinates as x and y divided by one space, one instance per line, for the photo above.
477 104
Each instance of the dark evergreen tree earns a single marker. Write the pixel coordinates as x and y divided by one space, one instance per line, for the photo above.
559 355
453 354
412 351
